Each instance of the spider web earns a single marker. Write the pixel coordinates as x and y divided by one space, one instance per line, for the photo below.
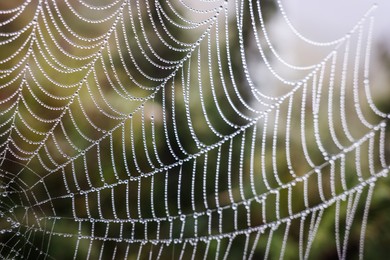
133 129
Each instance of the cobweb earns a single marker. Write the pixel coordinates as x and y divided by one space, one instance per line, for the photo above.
139 129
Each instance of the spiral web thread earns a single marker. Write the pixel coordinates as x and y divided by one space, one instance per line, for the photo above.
137 129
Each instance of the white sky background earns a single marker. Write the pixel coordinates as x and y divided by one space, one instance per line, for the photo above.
331 19
322 21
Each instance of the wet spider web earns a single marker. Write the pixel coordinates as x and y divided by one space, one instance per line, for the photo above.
132 129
